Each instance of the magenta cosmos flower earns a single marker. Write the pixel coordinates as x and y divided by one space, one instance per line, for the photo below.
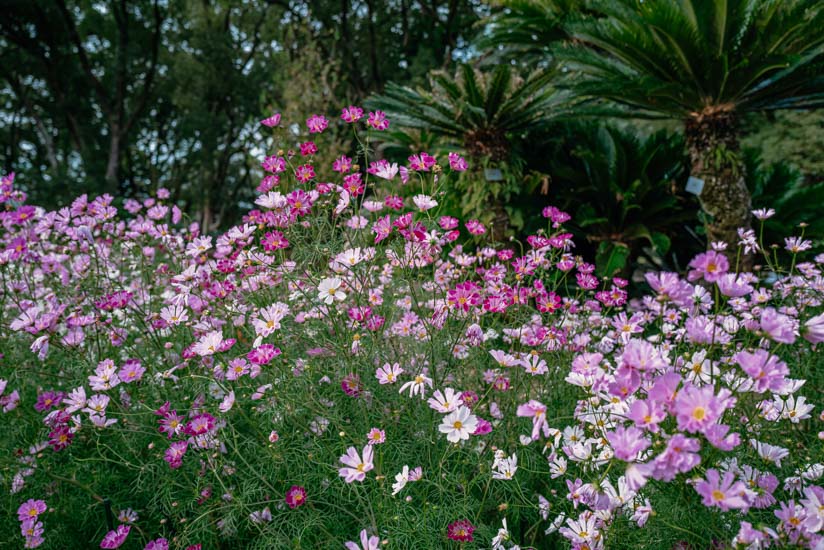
295 496
114 539
460 530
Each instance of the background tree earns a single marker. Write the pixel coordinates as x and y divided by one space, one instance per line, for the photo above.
131 95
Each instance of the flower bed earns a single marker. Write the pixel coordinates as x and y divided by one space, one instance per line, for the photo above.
348 367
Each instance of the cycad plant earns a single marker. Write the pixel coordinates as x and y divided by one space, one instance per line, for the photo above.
705 62
797 203
525 30
486 115
623 193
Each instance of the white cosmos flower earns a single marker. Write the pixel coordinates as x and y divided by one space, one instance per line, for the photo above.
445 402
459 424
329 290
506 468
424 202
401 479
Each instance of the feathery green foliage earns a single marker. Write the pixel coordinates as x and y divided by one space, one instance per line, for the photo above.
671 58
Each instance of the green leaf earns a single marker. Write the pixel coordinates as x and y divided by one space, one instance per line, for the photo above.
610 258
660 242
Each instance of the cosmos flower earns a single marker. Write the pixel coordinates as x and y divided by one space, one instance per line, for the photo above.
459 424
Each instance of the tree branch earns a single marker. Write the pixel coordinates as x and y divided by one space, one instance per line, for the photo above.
102 95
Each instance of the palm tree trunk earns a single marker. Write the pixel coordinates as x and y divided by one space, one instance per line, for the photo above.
712 140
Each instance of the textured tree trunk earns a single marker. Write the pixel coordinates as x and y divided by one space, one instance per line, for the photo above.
500 221
714 151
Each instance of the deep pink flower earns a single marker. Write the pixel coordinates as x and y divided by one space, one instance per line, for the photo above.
308 148
263 354
457 162
378 121
316 124
460 531
351 114
113 539
351 385
272 121
174 454
60 438
48 400
200 424
475 227
295 496
304 173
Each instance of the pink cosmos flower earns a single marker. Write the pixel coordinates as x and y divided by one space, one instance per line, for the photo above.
709 266
460 530
114 539
388 374
356 467
316 124
780 327
209 344
263 354
767 371
367 542
627 442
680 456
304 173
30 509
351 114
383 169
733 286
475 227
47 400
295 496
814 329
724 493
174 454
200 424
376 436
457 162
60 438
272 121
342 164
537 411
351 385
697 408
378 121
